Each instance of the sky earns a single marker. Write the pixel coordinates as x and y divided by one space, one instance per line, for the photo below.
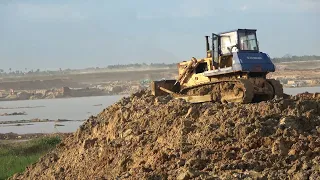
52 34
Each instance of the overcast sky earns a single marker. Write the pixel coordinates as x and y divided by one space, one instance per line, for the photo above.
77 33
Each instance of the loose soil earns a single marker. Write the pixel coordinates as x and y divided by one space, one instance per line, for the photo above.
147 137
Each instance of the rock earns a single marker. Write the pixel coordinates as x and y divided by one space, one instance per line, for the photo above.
306 165
288 122
318 129
181 162
183 176
292 152
247 156
162 100
196 163
299 176
89 143
127 133
279 147
209 112
315 175
190 111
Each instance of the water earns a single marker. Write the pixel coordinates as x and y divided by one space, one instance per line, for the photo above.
77 109
294 91
72 109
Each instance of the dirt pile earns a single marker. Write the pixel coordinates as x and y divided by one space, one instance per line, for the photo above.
143 137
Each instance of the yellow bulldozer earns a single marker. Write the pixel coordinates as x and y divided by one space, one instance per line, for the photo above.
234 71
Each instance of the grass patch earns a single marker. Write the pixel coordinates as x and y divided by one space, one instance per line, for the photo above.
15 157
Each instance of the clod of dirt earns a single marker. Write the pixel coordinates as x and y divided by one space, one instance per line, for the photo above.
147 137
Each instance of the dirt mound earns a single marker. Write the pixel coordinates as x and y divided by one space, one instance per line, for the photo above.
143 137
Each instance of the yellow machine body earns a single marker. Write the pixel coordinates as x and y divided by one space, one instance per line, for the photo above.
224 76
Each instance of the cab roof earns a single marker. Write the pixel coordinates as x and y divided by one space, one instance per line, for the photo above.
237 30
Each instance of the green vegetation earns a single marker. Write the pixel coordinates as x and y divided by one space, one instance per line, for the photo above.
15 157
38 72
143 65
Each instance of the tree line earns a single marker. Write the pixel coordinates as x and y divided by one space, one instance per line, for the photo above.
289 58
143 65
11 72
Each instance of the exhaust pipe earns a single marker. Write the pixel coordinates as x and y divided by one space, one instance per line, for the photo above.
208 52
207 43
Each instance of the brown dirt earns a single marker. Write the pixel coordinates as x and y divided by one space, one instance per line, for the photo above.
143 137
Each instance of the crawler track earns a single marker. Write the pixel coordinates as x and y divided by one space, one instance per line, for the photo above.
277 87
240 91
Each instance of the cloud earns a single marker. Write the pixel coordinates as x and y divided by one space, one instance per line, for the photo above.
310 5
47 12
285 6
207 8
244 8
194 9
179 9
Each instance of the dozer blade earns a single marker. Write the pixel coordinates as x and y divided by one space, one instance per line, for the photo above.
170 87
165 87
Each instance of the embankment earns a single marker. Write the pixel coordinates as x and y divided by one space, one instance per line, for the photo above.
144 137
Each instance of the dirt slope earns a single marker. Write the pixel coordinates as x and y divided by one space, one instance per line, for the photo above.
143 137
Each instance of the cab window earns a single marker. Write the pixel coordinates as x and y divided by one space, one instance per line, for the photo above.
248 41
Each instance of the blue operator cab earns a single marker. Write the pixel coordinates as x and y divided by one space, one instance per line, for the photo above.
238 51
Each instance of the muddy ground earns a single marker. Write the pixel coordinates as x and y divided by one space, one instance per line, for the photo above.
299 75
300 65
81 80
144 137
298 70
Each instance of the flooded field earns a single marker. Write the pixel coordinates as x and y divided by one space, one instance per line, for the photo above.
75 109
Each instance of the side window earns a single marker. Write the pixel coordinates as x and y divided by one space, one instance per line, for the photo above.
229 42
252 42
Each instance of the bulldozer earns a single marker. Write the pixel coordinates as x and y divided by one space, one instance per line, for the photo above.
233 71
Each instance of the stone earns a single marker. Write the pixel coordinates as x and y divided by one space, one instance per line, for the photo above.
183 176
247 155
127 133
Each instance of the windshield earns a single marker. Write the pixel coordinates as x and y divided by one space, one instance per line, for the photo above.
248 41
